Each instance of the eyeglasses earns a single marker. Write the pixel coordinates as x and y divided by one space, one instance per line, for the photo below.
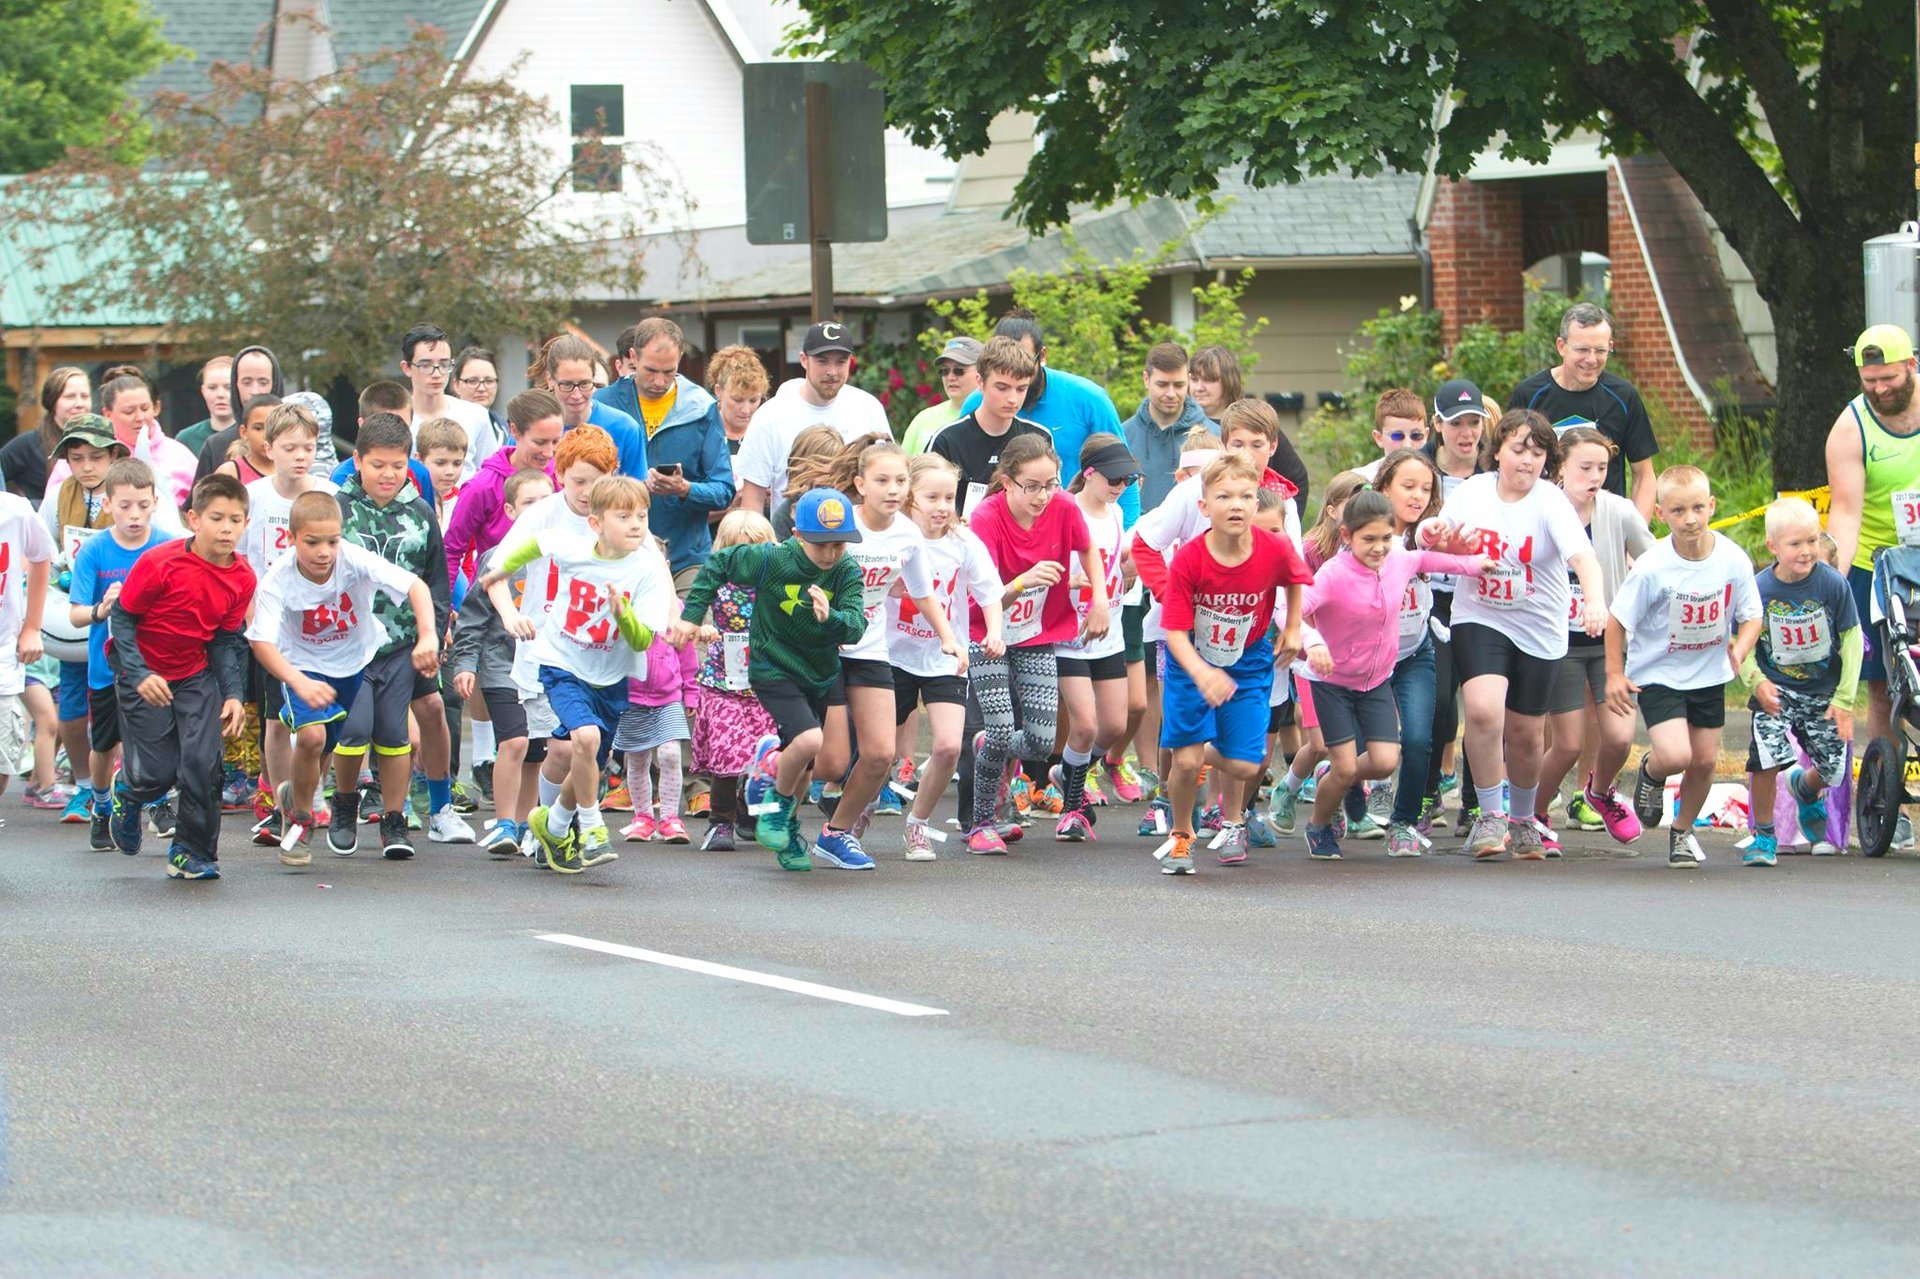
575 388
1407 437
479 381
432 366
1036 490
1590 352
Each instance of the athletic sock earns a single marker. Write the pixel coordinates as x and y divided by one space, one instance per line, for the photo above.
1763 828
1520 801
485 749
1073 768
590 817
439 793
549 792
1492 799
1290 782
559 817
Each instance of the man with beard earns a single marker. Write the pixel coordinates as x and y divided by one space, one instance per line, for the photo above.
822 396
1579 391
1873 462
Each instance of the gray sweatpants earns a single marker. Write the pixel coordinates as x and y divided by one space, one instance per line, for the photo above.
176 747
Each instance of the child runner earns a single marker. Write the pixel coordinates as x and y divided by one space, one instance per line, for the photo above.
651 729
441 445
1510 632
1093 672
732 721
1619 535
99 572
179 664
861 710
1356 604
1686 617
808 601
482 659
613 592
1804 673
26 553
1032 530
1219 601
923 672
314 632
248 460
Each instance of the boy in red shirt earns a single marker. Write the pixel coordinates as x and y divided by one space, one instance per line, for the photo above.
179 662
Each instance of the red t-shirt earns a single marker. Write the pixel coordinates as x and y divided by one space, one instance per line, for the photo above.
1039 614
181 600
1228 608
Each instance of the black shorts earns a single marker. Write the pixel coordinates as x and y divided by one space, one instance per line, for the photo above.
1479 650
793 709
1278 717
423 685
1112 666
378 716
1700 707
103 722
1133 619
910 690
1349 715
858 672
509 716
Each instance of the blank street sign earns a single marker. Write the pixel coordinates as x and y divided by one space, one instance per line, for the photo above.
776 124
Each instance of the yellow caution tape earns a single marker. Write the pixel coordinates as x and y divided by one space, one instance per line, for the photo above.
1912 770
1819 499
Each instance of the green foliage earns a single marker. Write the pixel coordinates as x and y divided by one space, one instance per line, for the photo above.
64 72
899 374
1091 314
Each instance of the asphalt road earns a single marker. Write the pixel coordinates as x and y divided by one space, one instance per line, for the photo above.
1596 1066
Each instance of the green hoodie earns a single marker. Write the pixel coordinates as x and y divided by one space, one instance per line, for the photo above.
785 641
404 532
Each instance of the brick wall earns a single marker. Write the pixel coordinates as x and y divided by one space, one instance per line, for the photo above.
1476 237
1640 338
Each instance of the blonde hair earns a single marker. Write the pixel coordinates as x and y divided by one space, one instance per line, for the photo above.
919 467
846 464
739 528
617 493
1201 438
1230 466
811 446
1675 477
439 433
1790 513
737 369
284 419
1324 537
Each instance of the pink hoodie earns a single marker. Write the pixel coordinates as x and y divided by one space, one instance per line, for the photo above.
480 517
1357 611
670 677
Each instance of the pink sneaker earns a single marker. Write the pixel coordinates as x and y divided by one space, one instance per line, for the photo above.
1622 823
643 829
985 840
1123 782
670 831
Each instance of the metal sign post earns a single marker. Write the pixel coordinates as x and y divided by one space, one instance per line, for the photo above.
820 197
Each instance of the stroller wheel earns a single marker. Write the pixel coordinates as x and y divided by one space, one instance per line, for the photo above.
1880 790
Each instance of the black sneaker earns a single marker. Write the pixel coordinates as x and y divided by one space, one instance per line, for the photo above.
1683 852
394 844
163 819
343 829
1648 795
483 778
99 838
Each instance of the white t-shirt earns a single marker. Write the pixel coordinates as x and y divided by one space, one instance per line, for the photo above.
897 553
269 536
483 437
960 566
1678 614
23 540
778 423
68 541
581 635
1524 595
1108 537
541 579
327 628
1416 606
1178 520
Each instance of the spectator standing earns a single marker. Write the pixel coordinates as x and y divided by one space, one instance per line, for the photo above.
958 367
476 379
1579 391
254 371
65 395
426 360
1214 381
566 367
216 390
739 382
821 396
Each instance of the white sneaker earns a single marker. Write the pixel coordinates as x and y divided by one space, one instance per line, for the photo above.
449 827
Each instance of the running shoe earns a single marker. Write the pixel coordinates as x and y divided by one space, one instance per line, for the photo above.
449 827
719 838
1902 833
617 800
1621 822
641 830
79 806
985 841
49 797
1180 860
293 842
1366 828
699 803
502 837
123 818
1811 813
267 831
1380 804
99 838
483 779
1230 846
1322 844
1488 836
795 856
1310 788
1158 819
1431 815
1524 840
1449 783
1259 834
596 846
888 803
162 819
1549 841
1020 791
919 843
1581 813
905 779
371 805
1050 802
394 844
816 792
1075 826
465 799
343 831
182 864
1281 806
841 850
1648 795
236 790
1683 852
1123 781
672 831
1402 840
562 853
773 830
860 823
1763 851
1209 820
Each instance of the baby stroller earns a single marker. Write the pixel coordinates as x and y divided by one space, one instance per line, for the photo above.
1882 787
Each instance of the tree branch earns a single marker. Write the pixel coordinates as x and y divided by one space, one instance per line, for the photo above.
1757 44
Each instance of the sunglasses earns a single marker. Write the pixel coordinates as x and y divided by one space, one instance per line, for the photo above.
1404 437
1131 477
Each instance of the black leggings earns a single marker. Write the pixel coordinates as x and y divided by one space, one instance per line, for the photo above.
1446 705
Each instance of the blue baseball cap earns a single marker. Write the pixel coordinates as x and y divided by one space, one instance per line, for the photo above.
825 515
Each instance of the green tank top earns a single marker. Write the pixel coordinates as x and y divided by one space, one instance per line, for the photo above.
1892 466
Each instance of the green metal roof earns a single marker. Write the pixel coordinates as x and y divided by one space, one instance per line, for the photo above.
42 260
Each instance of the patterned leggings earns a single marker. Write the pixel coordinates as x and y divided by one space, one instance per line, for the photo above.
1019 699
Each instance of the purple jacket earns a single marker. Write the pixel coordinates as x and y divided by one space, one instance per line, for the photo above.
669 678
480 516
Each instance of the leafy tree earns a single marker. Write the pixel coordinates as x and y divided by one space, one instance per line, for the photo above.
64 71
1790 119
324 217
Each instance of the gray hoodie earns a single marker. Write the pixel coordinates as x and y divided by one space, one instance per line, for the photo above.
480 640
1157 449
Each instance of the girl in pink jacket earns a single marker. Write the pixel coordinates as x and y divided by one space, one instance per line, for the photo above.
1354 607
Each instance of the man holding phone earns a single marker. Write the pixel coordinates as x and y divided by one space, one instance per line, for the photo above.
690 473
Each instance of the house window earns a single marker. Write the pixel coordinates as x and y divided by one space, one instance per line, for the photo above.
599 125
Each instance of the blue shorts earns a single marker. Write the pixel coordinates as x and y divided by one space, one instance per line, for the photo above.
296 714
1872 666
1237 727
578 704
73 690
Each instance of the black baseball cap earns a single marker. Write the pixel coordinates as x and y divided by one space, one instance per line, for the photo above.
1457 399
828 336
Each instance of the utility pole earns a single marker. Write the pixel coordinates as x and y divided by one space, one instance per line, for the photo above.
820 198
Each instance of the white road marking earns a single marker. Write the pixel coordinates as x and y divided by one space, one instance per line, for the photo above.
747 975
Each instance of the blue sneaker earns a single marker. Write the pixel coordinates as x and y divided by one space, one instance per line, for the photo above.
1158 819
1811 813
183 863
502 838
1259 834
889 803
816 791
1763 851
841 850
79 808
1323 843
123 824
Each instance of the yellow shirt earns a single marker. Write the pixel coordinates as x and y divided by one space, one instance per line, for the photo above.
654 412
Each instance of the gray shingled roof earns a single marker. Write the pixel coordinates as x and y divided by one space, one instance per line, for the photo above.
1330 217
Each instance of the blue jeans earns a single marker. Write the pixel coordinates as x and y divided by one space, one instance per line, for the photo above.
1413 693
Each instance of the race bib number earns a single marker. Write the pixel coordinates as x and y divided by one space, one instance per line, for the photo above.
1906 517
1023 615
1696 619
1413 612
733 661
1576 605
1219 638
72 539
974 493
875 581
1799 640
1504 586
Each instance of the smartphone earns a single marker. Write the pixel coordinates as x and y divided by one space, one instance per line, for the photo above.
669 468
